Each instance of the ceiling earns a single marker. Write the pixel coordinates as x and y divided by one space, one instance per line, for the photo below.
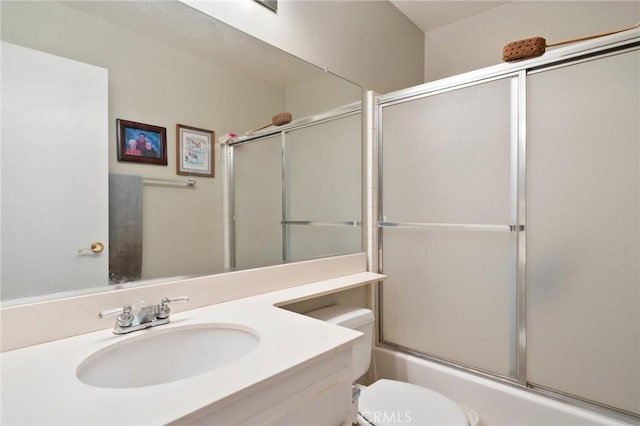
431 14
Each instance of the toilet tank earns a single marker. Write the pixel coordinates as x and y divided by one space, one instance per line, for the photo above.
359 319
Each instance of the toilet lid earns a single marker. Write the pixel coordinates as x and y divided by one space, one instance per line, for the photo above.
389 402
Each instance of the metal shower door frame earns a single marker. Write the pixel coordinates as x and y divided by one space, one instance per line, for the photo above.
282 131
516 214
517 72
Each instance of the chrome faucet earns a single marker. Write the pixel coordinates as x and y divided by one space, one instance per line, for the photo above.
147 316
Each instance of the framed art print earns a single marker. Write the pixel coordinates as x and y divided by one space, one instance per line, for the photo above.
194 151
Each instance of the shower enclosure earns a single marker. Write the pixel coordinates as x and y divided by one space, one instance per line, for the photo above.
295 191
509 223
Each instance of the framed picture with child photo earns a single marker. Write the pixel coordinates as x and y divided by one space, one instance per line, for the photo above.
141 143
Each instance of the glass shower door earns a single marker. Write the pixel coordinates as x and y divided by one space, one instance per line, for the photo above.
583 230
322 175
448 216
257 199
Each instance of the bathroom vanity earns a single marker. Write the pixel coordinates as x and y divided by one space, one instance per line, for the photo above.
297 371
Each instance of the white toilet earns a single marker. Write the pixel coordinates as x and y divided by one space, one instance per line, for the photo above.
390 402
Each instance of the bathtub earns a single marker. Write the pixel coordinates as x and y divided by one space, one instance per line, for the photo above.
497 404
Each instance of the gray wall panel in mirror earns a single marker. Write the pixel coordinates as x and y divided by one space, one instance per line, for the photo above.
170 64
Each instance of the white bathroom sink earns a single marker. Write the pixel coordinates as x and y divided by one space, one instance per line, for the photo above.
161 356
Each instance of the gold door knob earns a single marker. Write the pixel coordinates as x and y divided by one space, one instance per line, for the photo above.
96 247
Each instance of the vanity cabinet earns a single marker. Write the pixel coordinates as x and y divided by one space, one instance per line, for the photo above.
317 392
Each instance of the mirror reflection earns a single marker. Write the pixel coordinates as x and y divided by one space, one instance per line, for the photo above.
306 188
160 64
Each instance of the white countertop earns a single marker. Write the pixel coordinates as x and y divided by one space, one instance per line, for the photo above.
39 383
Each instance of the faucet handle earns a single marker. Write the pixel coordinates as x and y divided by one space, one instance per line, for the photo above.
109 312
125 317
167 300
165 310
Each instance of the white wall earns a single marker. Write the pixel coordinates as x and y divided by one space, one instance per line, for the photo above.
368 42
477 41
320 95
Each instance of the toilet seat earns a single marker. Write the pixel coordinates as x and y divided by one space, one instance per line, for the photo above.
389 402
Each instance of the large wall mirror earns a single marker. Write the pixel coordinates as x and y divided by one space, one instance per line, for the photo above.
162 64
